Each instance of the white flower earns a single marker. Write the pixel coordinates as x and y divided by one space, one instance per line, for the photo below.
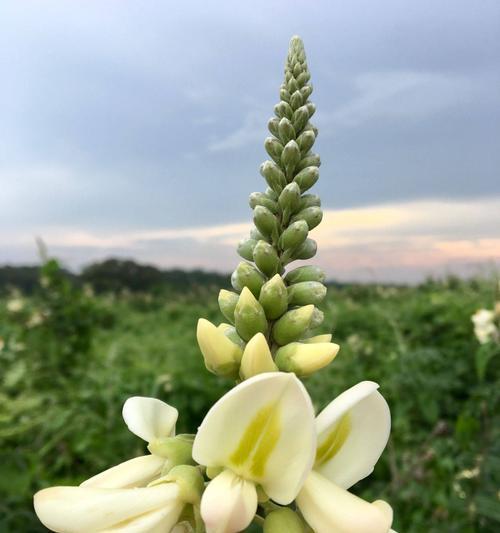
260 433
91 510
119 499
34 320
352 433
149 418
15 305
484 327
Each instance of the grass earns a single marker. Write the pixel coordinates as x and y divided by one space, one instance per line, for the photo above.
66 374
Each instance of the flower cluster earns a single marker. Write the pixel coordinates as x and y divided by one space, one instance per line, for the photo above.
260 447
485 328
260 455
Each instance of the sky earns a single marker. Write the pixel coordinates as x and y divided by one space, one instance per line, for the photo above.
135 129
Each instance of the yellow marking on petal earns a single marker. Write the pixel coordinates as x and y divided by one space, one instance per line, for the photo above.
258 442
334 440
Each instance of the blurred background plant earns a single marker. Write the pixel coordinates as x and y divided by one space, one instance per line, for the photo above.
70 357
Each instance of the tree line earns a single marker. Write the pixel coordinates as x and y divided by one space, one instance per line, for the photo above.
114 275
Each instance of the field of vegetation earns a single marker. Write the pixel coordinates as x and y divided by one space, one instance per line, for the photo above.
69 358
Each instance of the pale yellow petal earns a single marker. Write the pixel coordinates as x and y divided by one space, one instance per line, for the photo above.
263 430
137 472
228 504
88 510
328 508
352 434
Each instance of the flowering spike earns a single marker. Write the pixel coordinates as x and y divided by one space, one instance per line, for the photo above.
259 445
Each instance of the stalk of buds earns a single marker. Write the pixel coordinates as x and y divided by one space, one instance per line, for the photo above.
260 453
279 307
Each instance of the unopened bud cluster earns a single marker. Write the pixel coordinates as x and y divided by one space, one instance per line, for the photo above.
271 313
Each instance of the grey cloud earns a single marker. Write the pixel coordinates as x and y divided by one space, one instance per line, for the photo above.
131 115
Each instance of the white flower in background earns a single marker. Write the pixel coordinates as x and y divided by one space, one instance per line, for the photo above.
15 305
260 433
35 320
119 499
352 433
484 326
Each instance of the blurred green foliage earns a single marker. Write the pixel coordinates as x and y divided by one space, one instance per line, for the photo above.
69 359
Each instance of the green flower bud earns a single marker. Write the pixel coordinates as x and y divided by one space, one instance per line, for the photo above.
309 200
306 250
292 85
274 297
271 194
296 100
310 160
283 109
259 198
290 156
306 91
311 108
176 449
231 333
303 78
190 482
283 521
249 316
247 275
300 118
312 215
286 130
222 357
245 248
307 177
284 94
305 273
289 198
265 221
273 148
295 235
317 318
266 258
257 235
292 325
273 175
304 359
306 292
297 69
227 302
305 141
272 126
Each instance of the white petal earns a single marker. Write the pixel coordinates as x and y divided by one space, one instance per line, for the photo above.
328 508
149 418
89 510
352 434
137 472
228 504
161 521
263 430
